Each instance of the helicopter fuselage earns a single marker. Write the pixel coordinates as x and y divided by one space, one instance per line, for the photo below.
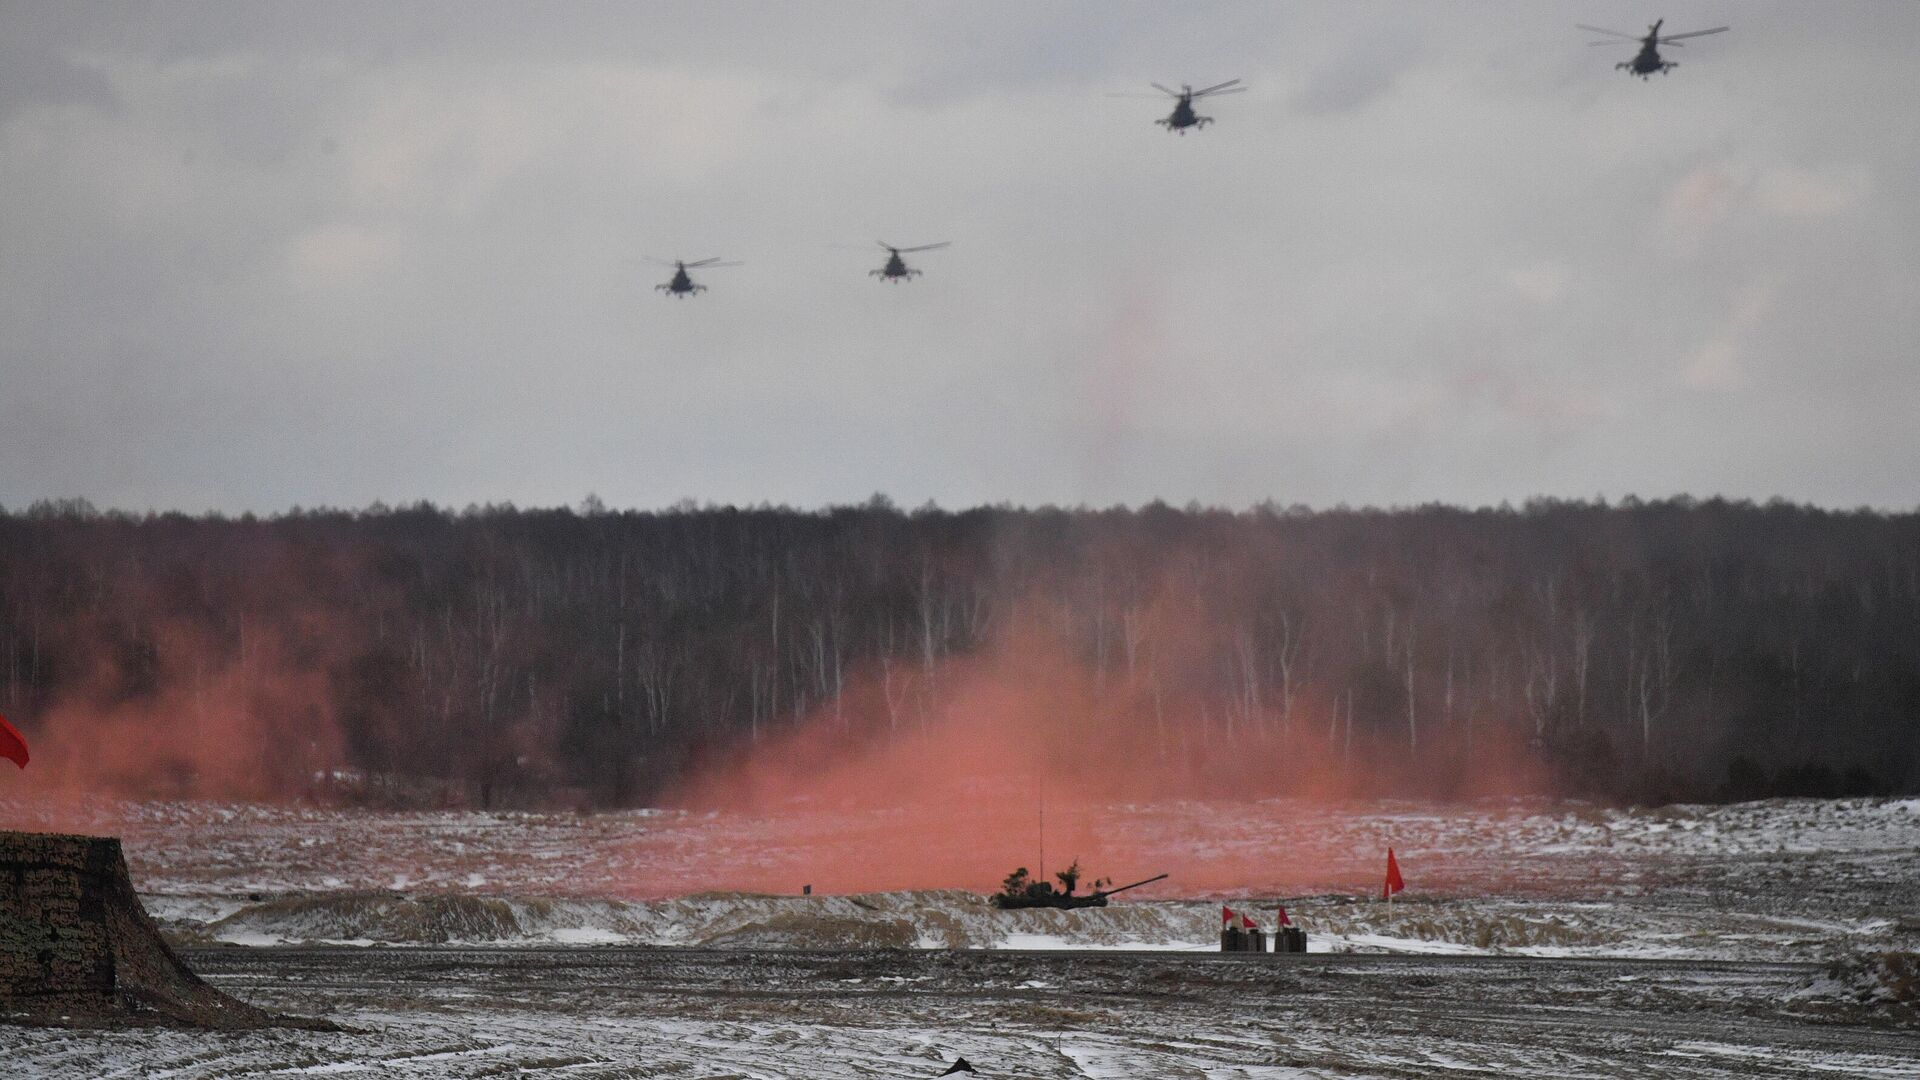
895 270
1184 117
1647 62
681 284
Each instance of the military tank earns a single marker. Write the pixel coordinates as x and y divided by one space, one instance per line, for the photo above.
1018 891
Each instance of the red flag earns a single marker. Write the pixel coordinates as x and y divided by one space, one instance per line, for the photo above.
1226 916
1284 921
1248 924
1395 883
13 746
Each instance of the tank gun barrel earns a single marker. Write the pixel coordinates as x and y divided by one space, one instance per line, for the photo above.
1135 885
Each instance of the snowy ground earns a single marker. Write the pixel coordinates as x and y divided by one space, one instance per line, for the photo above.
1549 941
1520 847
1790 879
1626 927
626 1012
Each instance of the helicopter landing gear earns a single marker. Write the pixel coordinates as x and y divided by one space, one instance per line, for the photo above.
1181 129
1646 75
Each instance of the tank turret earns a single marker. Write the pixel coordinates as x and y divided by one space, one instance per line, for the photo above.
1018 891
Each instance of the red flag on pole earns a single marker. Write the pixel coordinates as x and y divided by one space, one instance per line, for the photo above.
1395 882
1248 924
1284 921
13 746
1226 916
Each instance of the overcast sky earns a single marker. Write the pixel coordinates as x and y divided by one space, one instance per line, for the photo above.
256 255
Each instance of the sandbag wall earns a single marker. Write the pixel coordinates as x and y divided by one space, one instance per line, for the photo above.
77 947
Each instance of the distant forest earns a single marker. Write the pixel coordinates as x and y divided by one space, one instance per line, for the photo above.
1644 651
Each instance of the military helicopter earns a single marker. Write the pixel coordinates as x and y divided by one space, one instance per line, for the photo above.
897 269
682 284
1183 115
1648 60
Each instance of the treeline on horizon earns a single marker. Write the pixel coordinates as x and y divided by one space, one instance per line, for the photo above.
1642 651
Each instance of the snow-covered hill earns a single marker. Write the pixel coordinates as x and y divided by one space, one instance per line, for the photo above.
1788 879
954 919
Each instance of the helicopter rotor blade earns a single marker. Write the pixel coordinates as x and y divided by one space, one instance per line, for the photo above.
925 247
703 262
1615 33
1223 93
1164 90
1215 89
1673 38
710 265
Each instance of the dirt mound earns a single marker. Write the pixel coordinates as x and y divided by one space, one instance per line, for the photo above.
77 948
790 930
431 919
935 918
427 919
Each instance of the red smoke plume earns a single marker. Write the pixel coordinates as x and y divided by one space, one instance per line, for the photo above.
251 727
923 774
943 777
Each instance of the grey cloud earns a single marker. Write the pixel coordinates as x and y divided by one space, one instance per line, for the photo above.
31 75
1360 71
254 255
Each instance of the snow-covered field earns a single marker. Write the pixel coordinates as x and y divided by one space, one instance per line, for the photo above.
1628 927
1790 879
624 1012
1534 940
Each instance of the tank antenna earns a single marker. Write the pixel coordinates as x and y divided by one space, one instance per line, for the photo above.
1043 827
